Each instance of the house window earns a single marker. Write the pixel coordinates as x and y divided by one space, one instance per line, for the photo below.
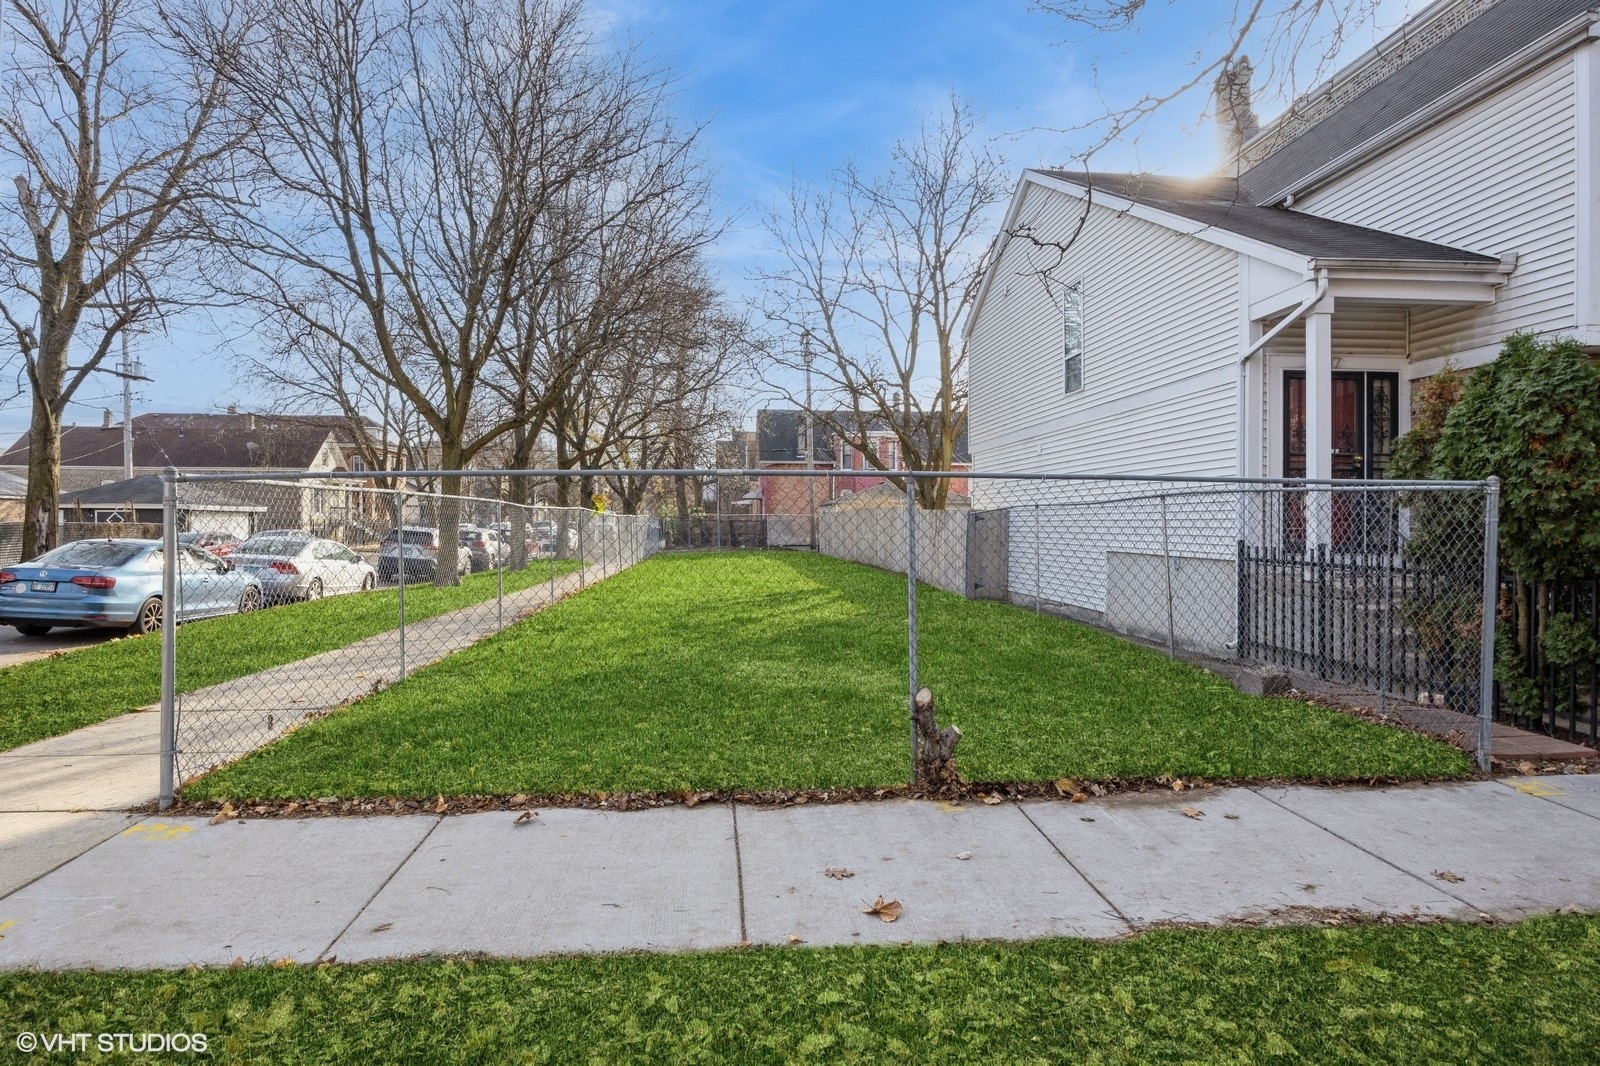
1072 330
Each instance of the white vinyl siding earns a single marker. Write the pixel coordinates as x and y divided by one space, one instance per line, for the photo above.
1163 330
1497 178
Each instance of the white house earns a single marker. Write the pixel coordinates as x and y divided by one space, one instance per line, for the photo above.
1269 320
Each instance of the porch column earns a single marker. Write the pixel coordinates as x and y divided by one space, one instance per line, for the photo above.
1319 420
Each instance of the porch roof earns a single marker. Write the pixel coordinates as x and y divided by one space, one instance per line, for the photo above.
1218 202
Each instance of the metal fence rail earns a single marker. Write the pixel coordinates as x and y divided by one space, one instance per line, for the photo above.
1376 585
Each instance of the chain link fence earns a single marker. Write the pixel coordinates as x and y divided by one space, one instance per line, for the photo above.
1372 587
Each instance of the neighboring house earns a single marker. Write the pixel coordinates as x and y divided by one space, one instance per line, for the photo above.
13 490
738 495
222 444
138 500
1439 193
786 436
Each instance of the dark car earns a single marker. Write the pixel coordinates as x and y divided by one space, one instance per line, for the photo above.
414 550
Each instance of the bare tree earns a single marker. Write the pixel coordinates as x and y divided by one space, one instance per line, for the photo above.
876 280
118 144
415 157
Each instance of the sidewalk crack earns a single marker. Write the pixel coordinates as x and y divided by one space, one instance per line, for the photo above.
738 870
1366 851
354 918
1083 876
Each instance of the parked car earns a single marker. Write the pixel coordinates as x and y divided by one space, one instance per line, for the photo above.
295 565
485 547
116 584
418 548
215 541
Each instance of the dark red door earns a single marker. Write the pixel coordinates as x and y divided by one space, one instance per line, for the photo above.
1365 424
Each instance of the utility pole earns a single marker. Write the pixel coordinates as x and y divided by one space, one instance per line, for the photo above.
130 371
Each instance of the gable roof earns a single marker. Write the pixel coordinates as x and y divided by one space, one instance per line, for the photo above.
779 429
12 487
146 491
1219 202
1490 38
198 441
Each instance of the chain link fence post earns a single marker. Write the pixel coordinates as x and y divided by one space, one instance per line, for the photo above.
1166 561
911 616
1491 599
500 569
169 636
400 572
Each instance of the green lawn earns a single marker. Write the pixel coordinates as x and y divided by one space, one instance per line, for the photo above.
47 697
788 670
1429 994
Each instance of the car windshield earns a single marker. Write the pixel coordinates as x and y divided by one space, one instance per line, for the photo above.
92 553
268 545
412 536
188 538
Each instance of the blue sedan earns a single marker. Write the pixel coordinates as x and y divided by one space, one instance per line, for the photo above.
116 584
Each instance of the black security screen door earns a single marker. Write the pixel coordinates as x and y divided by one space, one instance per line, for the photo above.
1366 420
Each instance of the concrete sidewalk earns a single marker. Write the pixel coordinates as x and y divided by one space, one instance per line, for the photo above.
170 892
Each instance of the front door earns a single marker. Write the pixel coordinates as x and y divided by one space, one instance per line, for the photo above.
1366 421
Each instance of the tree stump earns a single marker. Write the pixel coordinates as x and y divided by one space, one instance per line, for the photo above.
936 748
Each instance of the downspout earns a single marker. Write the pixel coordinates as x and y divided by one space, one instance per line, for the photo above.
1259 346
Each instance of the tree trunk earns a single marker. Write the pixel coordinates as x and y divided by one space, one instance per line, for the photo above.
44 480
444 574
936 748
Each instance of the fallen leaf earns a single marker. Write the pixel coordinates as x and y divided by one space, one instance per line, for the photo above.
1231 817
525 816
794 939
1085 819
1191 812
964 855
284 963
384 928
1448 875
237 963
886 910
838 873
992 798
519 799
1066 786
1526 767
440 806
691 800
1178 785
1078 797
224 815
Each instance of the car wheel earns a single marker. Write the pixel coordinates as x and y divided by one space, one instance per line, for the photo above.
249 599
148 620
314 590
34 631
369 583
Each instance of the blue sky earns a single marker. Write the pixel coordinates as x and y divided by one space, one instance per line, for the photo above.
796 87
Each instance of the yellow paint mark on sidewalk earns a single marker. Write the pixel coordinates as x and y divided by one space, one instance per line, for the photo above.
7 924
157 830
1534 787
950 808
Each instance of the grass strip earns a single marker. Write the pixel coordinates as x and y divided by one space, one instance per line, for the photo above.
788 670
48 697
1365 994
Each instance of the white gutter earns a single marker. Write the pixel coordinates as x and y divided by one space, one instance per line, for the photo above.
1244 362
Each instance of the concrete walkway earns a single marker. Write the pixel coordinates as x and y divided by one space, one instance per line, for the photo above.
170 892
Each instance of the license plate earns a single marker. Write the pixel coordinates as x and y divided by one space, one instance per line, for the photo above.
44 586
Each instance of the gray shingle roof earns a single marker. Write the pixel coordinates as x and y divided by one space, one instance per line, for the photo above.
779 431
1495 35
1218 202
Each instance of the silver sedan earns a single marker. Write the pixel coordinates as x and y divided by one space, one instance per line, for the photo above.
294 565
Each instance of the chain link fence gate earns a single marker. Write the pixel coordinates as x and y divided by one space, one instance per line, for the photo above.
1375 586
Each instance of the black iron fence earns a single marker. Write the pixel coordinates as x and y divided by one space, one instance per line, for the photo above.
1550 656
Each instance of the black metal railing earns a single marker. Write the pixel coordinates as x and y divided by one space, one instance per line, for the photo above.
1554 632
1369 619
